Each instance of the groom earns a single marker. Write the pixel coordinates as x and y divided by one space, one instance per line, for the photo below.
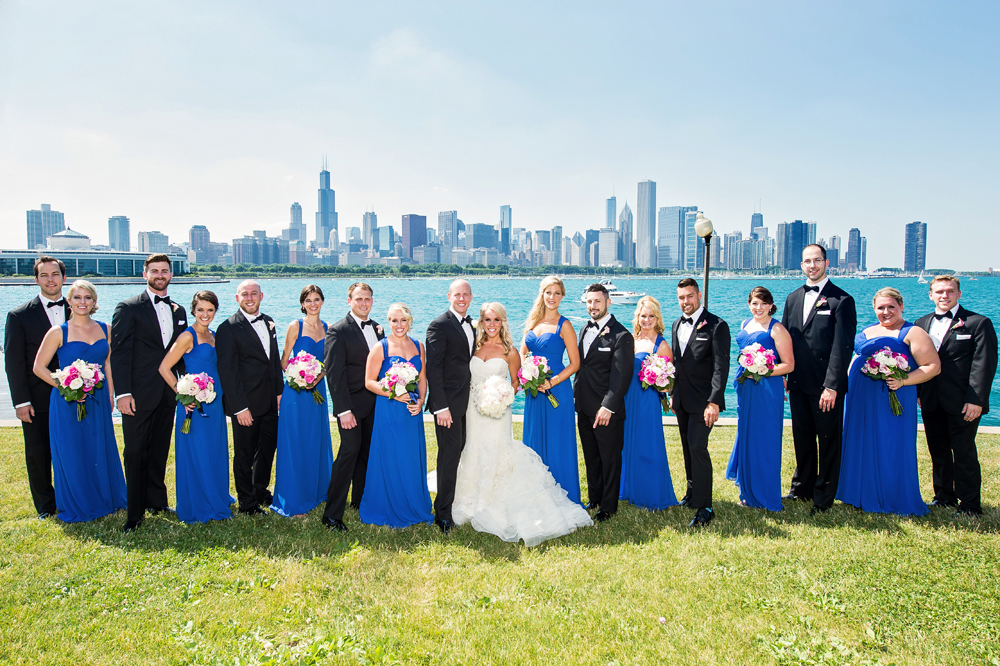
449 349
606 353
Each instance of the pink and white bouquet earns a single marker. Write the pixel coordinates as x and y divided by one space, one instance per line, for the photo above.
658 372
302 372
533 373
78 381
887 364
195 390
493 396
757 362
400 379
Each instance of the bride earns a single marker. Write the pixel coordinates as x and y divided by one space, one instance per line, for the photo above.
503 487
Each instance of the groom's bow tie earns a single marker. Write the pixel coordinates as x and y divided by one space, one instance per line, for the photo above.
52 304
367 322
161 299
812 288
687 320
467 320
590 324
937 316
260 318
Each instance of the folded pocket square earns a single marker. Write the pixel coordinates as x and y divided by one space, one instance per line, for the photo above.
604 349
962 337
824 312
701 338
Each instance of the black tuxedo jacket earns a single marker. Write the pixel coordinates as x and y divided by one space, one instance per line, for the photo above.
27 324
702 371
137 349
968 364
448 374
605 372
823 345
249 379
345 356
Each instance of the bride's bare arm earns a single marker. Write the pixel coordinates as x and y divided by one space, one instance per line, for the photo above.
513 364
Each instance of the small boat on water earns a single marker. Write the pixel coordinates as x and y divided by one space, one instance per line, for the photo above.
618 297
921 279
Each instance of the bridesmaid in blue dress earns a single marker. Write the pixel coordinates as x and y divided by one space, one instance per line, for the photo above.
551 431
396 491
646 479
878 469
201 457
87 471
305 448
755 464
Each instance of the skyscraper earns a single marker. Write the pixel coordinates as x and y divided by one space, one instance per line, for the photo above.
543 240
153 242
448 232
694 247
625 252
853 257
645 226
612 211
779 244
42 224
556 245
386 241
119 233
505 230
414 233
369 228
915 248
607 253
833 251
756 220
809 229
864 253
670 242
481 235
795 241
199 238
326 216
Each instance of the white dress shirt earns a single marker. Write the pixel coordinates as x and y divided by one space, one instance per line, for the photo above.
810 298
260 328
684 330
591 334
467 327
56 314
367 331
164 316
939 327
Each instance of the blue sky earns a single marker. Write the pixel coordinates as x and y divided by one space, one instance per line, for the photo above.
849 114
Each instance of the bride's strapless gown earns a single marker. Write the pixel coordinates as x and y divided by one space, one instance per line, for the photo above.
503 487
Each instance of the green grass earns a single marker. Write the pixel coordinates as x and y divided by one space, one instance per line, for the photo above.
843 588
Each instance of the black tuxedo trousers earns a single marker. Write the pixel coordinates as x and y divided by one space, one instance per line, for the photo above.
253 456
350 467
147 446
602 455
951 441
451 442
817 473
38 460
697 461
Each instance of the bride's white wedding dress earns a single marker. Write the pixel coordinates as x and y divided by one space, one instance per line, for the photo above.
503 487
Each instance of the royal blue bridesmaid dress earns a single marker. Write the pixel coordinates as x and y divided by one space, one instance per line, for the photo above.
878 468
646 479
755 464
201 457
551 431
87 471
396 491
305 448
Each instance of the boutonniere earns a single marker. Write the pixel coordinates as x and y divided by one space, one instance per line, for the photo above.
174 306
270 325
820 302
701 325
604 331
378 328
958 324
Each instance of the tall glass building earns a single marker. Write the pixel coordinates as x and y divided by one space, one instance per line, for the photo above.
505 230
611 213
915 249
119 233
672 233
326 215
645 226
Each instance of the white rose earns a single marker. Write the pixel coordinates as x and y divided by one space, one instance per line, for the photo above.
202 396
86 372
399 389
76 383
184 385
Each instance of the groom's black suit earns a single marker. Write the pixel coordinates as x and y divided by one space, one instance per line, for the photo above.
702 371
448 383
602 381
968 364
822 347
250 380
136 353
346 355
27 324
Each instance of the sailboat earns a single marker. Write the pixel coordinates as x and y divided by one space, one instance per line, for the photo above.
921 279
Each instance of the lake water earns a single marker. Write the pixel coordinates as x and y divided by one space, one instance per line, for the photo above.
427 299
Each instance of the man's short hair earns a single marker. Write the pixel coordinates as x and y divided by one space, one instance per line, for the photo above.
945 278
46 259
157 259
688 282
822 250
598 287
362 285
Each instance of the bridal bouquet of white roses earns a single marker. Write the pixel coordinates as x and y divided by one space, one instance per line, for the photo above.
195 390
493 396
78 381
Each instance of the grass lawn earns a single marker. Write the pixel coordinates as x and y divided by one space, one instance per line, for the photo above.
842 588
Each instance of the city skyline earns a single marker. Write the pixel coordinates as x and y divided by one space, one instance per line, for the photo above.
203 126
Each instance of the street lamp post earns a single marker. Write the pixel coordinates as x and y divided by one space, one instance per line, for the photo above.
704 228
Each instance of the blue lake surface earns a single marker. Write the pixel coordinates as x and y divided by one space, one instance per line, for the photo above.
427 299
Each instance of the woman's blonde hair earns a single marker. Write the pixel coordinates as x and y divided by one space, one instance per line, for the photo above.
405 309
538 308
508 342
888 292
88 287
652 304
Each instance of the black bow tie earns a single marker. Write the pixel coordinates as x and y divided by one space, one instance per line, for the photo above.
52 304
161 299
687 320
367 322
937 316
813 288
257 319
591 324
466 320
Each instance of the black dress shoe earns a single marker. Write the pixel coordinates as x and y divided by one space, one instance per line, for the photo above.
446 525
942 503
702 518
818 510
593 506
792 497
44 514
685 501
965 512
156 510
335 525
253 511
601 516
131 526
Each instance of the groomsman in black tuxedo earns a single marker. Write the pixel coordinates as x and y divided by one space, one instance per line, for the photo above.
953 402
607 351
450 339
346 353
252 381
142 330
700 341
822 320
27 324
